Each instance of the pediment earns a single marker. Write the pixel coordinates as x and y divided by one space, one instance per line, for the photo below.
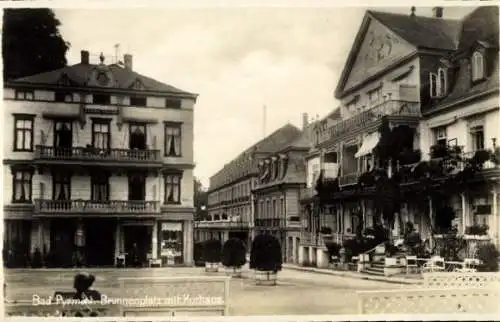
375 49
101 77
137 84
64 80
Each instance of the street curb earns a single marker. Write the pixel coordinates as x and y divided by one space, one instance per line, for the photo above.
344 274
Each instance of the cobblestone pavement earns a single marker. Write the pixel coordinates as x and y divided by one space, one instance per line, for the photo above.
297 292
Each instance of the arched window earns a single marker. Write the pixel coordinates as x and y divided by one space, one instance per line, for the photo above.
477 66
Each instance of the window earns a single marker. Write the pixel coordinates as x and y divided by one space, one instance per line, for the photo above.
268 209
172 188
173 103
23 136
440 136
275 214
477 136
22 187
374 96
171 242
433 83
138 101
442 82
477 66
282 206
172 140
61 186
137 136
63 97
100 187
101 134
25 95
102 99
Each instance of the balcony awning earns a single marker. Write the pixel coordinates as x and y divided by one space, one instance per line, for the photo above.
369 143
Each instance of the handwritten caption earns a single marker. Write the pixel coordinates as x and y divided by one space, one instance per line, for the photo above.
147 301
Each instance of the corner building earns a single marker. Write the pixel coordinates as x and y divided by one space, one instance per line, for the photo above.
100 157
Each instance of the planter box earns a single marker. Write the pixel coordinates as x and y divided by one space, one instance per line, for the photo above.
266 278
211 267
234 272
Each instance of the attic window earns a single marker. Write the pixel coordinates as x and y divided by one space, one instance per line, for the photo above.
477 66
63 97
173 103
438 83
138 101
24 95
138 85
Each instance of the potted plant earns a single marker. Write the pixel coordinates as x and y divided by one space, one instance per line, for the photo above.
439 151
198 254
488 255
212 255
234 256
266 259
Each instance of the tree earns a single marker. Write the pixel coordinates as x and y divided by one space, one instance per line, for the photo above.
200 199
212 251
31 42
234 253
266 254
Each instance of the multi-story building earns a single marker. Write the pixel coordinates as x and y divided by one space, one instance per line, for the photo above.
463 111
231 203
98 158
282 176
384 84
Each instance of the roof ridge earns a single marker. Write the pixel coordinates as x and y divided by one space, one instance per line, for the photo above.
416 16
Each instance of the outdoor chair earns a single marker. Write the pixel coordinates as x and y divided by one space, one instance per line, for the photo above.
411 264
435 264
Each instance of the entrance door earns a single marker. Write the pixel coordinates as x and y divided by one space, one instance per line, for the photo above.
138 237
63 138
136 186
61 242
100 241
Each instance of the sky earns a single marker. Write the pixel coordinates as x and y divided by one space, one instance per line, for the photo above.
237 59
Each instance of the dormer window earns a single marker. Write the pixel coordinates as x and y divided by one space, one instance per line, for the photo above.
438 83
477 66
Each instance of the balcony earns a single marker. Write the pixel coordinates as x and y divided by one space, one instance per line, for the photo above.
349 179
363 119
49 154
278 222
115 207
222 224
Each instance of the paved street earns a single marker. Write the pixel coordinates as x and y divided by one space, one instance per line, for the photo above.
297 293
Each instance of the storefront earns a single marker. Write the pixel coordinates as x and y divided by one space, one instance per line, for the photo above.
171 239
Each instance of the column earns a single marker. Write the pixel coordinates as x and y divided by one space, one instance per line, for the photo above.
188 246
431 218
363 209
117 242
496 232
154 241
464 211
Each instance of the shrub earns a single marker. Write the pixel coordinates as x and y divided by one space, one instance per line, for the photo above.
234 253
333 249
266 253
37 260
212 251
488 255
413 243
451 246
198 254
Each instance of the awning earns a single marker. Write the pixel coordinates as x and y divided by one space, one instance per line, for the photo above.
369 143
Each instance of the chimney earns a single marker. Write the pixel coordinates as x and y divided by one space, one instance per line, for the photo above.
305 120
127 61
437 12
84 57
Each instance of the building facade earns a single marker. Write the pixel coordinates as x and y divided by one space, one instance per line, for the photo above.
98 160
282 177
463 111
378 134
231 201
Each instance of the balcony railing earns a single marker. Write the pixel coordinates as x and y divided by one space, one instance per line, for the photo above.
316 239
96 154
90 206
276 222
222 224
389 108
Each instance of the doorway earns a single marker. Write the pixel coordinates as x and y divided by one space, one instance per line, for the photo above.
141 237
63 138
100 241
137 136
136 186
61 242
